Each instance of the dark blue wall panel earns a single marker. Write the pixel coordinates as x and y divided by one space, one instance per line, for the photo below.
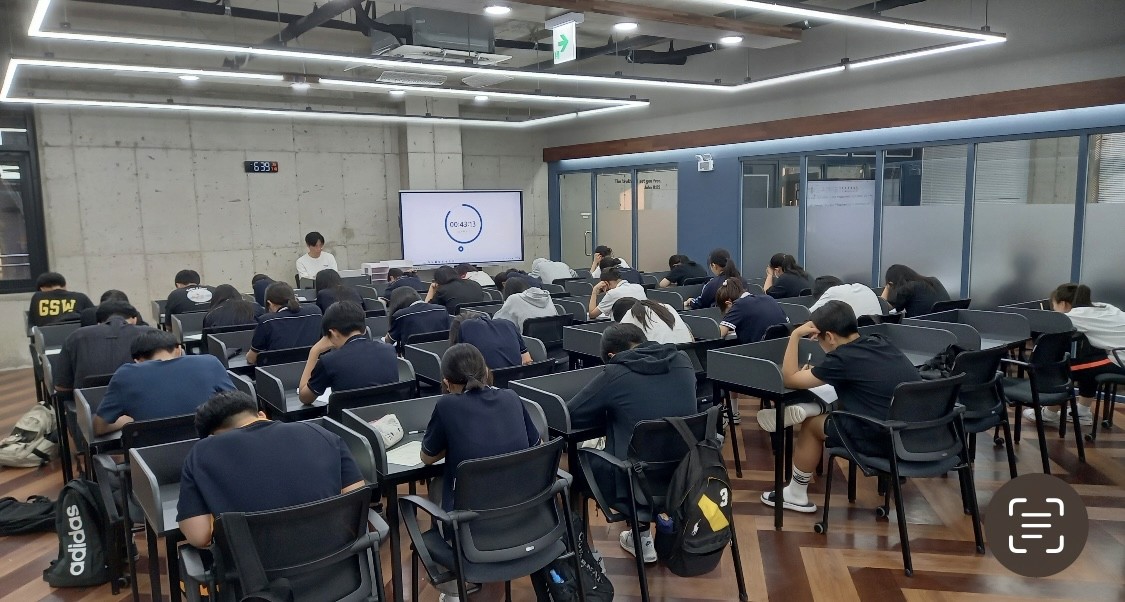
709 208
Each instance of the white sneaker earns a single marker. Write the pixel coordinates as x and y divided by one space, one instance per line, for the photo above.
1051 417
794 414
648 547
448 598
1085 415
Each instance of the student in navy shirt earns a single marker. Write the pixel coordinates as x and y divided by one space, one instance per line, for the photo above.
344 358
228 308
627 274
260 282
503 277
724 268
245 463
498 340
160 384
473 420
330 288
745 314
410 315
785 277
396 278
288 324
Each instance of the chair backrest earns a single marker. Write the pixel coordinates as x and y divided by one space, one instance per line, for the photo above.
778 331
548 329
538 417
1050 365
54 335
225 345
427 337
243 383
502 376
866 320
374 303
283 356
950 304
378 326
657 449
146 433
980 388
515 497
804 291
578 288
699 280
536 348
327 529
369 396
928 408
95 380
553 288
578 310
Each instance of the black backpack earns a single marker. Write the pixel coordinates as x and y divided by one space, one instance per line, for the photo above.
556 582
699 506
940 365
35 515
81 522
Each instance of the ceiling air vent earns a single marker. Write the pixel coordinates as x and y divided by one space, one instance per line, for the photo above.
483 80
411 79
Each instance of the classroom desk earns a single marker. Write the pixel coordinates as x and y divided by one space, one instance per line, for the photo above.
797 313
584 341
231 348
805 300
1041 321
86 402
487 307
993 329
426 360
703 327
675 295
158 311
305 295
552 392
155 474
188 328
755 369
277 392
917 343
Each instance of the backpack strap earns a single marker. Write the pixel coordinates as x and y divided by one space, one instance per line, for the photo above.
682 428
255 584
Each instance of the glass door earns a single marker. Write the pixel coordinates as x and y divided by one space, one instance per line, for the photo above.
614 207
15 263
577 225
657 202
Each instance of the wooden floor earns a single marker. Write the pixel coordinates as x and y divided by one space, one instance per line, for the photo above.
859 559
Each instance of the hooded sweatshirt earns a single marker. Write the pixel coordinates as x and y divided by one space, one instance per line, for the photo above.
532 303
649 382
1103 324
549 271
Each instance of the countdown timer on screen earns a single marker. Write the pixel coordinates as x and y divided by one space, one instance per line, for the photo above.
260 166
459 226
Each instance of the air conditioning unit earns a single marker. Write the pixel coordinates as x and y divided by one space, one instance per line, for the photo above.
441 35
430 53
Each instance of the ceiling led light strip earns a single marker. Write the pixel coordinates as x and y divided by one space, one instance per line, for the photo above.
474 93
913 54
201 73
36 31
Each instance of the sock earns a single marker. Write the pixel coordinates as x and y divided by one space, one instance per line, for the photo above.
799 412
798 489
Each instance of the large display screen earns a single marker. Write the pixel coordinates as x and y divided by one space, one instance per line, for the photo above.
447 227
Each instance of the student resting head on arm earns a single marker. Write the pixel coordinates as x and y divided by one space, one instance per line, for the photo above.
909 291
614 288
724 268
356 362
785 277
860 297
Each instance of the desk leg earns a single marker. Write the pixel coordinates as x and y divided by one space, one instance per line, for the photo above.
778 436
396 542
414 557
723 398
64 438
170 542
153 562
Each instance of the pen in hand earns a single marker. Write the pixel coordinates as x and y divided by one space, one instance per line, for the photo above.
808 363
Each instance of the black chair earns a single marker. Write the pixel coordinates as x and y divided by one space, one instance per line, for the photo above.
1047 385
804 292
655 451
983 399
1107 394
282 356
891 318
700 280
549 329
509 519
577 309
926 440
339 401
95 380
323 551
778 331
502 376
950 304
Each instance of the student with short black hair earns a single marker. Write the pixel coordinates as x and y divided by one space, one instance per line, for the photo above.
246 463
745 314
468 271
660 322
724 268
680 269
522 302
189 296
860 297
229 308
330 288
497 340
512 273
411 315
627 274
785 277
909 291
317 259
397 278
260 282
344 358
288 323
614 287
52 303
642 380
90 314
451 290
99 349
864 370
602 252
160 383
1104 327
473 420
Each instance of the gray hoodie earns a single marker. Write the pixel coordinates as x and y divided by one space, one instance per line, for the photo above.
532 303
548 271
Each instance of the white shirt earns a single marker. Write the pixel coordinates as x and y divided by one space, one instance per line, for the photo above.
658 329
480 278
1103 324
548 271
860 297
597 272
624 289
307 267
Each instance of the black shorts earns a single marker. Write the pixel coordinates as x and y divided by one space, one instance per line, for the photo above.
862 439
1084 376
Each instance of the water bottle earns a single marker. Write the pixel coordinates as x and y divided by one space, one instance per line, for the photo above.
555 577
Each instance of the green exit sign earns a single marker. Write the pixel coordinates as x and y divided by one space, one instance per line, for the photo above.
566 42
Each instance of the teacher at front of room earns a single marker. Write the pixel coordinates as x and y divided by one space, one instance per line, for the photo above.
317 259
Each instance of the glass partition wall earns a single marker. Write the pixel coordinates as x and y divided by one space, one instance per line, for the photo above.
1105 218
840 209
770 207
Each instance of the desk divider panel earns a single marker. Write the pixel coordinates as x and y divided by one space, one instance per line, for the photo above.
378 326
155 475
992 325
967 337
703 328
426 359
707 312
806 300
758 365
797 314
918 343
358 445
1041 321
553 391
585 339
1043 304
222 345
86 403
413 414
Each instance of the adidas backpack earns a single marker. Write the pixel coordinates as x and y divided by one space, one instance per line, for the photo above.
699 504
81 523
31 442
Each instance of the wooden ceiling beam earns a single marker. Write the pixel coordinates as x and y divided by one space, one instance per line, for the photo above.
648 13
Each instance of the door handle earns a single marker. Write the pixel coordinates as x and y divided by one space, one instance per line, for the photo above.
586 243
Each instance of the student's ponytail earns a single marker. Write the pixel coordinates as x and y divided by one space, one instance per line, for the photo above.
280 293
463 364
730 291
727 267
1074 294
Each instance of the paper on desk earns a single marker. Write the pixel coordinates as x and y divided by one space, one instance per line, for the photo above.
826 393
323 398
408 454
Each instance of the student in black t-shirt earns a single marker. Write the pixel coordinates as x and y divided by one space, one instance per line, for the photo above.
90 314
246 463
411 315
864 371
746 314
531 281
912 292
53 303
396 278
330 288
451 290
189 296
99 349
344 358
228 308
288 324
682 268
498 340
785 277
473 420
627 274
